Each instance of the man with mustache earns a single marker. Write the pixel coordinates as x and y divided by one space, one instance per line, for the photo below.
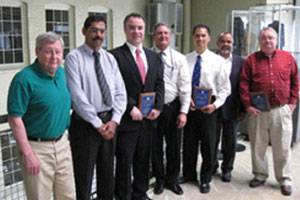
99 101
230 111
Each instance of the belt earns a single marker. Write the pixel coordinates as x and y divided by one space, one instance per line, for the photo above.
44 139
277 106
105 116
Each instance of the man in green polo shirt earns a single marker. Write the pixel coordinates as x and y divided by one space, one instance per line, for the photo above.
38 107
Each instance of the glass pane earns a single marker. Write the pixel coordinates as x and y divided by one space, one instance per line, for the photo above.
1 27
17 28
65 16
49 27
66 51
18 56
66 41
4 140
6 154
57 16
8 55
18 176
17 14
49 15
17 42
7 27
6 13
8 179
1 57
1 13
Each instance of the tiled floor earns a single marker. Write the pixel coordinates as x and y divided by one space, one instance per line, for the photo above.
238 188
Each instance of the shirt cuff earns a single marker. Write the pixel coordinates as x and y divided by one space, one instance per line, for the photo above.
116 118
96 122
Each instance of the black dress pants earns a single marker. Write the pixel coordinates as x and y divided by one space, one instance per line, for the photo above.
89 148
133 155
200 129
167 127
226 130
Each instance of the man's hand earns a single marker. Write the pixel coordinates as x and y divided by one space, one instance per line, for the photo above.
192 106
110 129
154 113
136 114
181 120
32 163
253 111
103 132
210 108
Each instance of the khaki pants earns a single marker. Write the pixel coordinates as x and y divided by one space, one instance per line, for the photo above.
56 172
274 126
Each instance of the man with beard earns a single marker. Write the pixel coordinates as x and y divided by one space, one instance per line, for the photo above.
230 111
99 101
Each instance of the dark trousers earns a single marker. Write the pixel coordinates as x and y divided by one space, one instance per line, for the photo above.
227 130
167 127
201 128
89 148
133 154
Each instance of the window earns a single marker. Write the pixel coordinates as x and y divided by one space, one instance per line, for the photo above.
11 168
11 35
98 10
59 20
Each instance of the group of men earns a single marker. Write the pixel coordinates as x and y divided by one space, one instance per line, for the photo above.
104 90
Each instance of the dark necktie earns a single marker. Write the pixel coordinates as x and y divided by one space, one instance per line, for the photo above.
102 81
197 72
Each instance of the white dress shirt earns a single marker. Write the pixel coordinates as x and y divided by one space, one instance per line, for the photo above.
177 78
213 74
143 55
85 90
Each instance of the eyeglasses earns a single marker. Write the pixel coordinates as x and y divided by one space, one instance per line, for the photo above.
96 30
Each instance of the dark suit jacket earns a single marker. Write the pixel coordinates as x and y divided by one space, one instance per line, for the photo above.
232 106
134 86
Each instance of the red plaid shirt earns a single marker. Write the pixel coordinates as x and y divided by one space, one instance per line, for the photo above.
277 76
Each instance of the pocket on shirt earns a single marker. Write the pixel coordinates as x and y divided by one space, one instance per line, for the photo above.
285 75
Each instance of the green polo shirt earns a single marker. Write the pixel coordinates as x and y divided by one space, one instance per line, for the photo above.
42 101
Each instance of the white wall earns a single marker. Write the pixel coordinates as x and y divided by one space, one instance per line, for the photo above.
35 23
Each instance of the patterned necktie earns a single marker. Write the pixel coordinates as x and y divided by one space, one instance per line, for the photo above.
140 64
197 72
102 81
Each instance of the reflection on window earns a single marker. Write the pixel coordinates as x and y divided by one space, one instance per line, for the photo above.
105 41
10 164
58 22
11 48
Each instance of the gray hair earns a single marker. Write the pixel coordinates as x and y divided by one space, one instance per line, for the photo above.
48 37
267 29
159 24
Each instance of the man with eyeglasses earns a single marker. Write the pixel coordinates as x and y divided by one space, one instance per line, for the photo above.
174 114
99 101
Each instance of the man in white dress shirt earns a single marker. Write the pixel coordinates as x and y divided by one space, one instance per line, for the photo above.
207 70
174 114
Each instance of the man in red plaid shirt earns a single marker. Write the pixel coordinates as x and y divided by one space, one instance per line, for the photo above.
273 72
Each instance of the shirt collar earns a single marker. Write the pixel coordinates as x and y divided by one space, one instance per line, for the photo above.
133 48
261 53
41 73
89 50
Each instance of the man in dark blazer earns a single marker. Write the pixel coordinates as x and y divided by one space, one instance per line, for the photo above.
231 109
142 72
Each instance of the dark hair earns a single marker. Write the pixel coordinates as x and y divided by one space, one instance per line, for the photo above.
94 18
197 26
137 15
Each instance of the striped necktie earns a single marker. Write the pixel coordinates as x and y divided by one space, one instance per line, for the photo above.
105 91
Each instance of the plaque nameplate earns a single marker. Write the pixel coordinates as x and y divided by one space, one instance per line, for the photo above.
146 102
260 101
201 97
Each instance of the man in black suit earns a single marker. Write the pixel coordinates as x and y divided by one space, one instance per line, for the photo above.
231 109
142 72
